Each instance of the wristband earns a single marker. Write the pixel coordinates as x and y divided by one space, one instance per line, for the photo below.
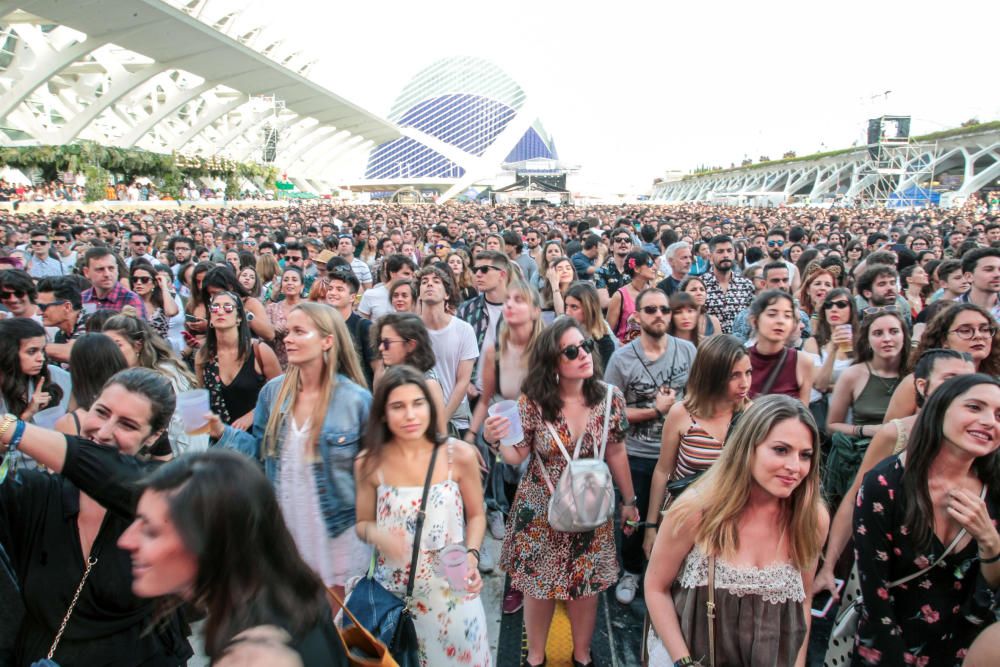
631 503
989 561
474 552
15 439
686 661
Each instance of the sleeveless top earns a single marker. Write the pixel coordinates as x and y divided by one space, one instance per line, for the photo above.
872 403
232 401
901 437
709 327
511 369
628 307
697 451
786 383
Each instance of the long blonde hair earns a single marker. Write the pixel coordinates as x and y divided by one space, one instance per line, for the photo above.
530 295
340 358
721 495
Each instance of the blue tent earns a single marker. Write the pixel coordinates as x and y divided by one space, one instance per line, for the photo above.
914 197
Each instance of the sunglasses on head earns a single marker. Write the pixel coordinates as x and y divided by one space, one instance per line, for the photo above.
222 307
875 311
652 310
571 352
16 294
836 304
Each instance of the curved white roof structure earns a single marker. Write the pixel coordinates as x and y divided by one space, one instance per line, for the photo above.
187 76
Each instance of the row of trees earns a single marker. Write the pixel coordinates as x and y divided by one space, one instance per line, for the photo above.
168 171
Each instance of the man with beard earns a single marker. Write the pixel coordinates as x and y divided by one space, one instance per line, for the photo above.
651 371
878 287
611 277
776 240
727 294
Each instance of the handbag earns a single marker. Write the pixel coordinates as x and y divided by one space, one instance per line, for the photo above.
649 653
360 646
383 614
584 497
47 661
846 625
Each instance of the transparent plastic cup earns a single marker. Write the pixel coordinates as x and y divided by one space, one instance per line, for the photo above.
846 346
192 407
509 410
455 566
47 418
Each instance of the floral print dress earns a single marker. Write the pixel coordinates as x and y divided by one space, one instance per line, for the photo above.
451 628
542 562
931 620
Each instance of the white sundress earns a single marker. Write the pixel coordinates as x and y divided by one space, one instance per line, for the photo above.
451 629
335 559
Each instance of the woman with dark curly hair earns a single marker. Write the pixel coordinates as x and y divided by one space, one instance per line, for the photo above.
964 327
641 271
563 406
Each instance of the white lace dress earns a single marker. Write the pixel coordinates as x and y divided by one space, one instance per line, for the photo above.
760 620
335 559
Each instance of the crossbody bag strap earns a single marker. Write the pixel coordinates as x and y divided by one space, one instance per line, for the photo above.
91 562
773 375
555 436
420 526
710 607
951 547
602 446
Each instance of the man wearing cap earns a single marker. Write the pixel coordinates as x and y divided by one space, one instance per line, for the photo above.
345 248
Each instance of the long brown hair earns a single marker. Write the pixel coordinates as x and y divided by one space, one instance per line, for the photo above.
542 383
708 381
340 358
720 496
593 319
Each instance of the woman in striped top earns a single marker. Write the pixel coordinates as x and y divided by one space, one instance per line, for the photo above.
695 428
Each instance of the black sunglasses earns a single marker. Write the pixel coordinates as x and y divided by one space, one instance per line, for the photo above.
39 242
623 239
836 304
45 306
141 280
485 268
571 352
651 310
16 294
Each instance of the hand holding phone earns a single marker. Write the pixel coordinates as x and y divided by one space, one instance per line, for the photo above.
823 600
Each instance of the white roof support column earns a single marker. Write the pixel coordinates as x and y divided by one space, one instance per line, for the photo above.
209 117
48 63
173 102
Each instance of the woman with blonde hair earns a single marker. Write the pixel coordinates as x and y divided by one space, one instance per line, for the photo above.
307 429
754 524
694 431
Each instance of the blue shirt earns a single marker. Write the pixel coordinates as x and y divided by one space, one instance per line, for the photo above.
582 263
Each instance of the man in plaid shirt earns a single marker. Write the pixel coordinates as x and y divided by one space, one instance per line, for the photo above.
101 269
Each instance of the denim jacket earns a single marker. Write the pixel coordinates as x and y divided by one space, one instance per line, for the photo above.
339 443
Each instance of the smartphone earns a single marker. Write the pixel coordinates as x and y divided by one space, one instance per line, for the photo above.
191 318
823 600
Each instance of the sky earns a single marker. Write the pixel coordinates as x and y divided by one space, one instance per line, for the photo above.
630 90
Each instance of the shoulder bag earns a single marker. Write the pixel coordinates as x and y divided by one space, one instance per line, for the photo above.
584 497
383 614
360 646
846 625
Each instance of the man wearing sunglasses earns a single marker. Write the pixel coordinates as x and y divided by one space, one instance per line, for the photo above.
611 276
777 239
651 371
139 248
63 246
61 306
40 263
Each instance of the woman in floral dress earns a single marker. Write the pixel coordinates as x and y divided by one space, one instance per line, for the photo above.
910 509
545 564
450 624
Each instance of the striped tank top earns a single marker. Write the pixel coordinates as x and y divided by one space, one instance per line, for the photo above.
696 452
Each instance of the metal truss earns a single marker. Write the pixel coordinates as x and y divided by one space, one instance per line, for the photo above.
852 177
67 74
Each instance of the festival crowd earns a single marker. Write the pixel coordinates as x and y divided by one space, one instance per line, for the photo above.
777 427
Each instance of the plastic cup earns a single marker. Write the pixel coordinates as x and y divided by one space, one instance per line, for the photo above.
47 418
455 565
509 410
846 346
193 406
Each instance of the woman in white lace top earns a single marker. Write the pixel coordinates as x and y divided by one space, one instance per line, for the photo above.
756 516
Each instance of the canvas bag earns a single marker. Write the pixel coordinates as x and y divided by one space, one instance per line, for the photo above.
584 497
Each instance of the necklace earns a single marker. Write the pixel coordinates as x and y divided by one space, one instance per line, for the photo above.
889 384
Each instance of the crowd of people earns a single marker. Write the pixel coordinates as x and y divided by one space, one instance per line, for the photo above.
763 409
72 189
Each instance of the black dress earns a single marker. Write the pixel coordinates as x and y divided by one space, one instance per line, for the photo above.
931 620
232 401
110 626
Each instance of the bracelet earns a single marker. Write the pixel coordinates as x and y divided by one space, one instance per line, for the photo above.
15 439
686 661
8 421
631 503
474 552
989 561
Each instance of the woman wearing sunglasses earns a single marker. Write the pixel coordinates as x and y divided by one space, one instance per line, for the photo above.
832 343
964 327
231 364
562 397
154 290
641 271
402 338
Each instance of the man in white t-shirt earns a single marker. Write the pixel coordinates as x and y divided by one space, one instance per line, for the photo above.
453 341
375 302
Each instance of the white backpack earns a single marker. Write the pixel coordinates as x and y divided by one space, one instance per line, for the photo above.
584 498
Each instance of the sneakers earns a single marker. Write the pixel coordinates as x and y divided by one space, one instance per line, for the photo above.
495 522
626 588
513 601
486 561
